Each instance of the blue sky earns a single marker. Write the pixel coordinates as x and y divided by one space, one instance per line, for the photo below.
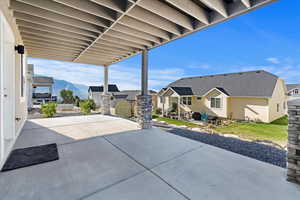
267 38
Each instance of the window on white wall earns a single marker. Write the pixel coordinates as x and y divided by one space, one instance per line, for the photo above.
296 91
215 102
284 105
278 107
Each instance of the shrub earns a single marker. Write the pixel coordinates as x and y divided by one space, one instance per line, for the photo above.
158 111
48 110
67 96
196 116
87 105
92 104
77 101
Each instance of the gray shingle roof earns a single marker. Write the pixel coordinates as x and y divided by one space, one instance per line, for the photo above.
244 84
292 86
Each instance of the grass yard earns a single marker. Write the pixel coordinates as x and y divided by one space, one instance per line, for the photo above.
275 131
175 122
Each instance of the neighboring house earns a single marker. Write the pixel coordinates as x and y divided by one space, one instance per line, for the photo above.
255 95
95 92
117 96
293 91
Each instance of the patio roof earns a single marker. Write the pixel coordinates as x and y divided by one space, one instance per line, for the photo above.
104 32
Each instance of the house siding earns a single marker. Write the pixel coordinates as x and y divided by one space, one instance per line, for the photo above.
20 101
254 109
279 97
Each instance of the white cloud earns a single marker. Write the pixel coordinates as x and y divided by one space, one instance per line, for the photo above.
125 77
273 60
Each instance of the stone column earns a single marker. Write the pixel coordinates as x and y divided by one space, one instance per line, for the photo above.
144 101
293 155
105 97
144 111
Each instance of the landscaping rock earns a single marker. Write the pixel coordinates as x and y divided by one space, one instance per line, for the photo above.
265 153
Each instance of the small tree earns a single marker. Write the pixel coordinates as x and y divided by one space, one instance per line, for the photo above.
48 110
67 96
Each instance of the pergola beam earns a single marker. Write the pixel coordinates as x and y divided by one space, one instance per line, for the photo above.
53 35
130 38
138 25
89 7
130 31
217 5
247 3
191 8
52 24
155 20
167 12
116 5
38 12
41 41
67 11
36 27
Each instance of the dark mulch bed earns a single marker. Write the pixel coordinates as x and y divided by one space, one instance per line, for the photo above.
254 150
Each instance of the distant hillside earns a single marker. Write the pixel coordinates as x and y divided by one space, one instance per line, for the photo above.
78 89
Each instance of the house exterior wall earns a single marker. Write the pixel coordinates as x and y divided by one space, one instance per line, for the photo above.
279 97
254 109
96 97
20 102
239 108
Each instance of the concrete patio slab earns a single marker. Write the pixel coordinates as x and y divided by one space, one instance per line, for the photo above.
147 187
212 173
138 164
153 146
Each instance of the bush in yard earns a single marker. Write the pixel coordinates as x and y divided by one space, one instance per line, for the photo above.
48 110
67 96
92 104
77 101
158 111
87 106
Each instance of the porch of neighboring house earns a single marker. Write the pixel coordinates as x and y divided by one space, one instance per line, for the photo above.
104 157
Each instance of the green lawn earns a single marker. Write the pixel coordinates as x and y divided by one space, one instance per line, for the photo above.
175 122
275 131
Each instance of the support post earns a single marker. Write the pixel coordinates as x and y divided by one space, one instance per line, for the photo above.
178 107
293 155
105 97
144 101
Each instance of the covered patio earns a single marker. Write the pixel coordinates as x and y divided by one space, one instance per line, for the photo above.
103 157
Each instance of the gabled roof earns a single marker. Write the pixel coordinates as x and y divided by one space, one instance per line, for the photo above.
111 88
292 86
183 91
42 80
243 84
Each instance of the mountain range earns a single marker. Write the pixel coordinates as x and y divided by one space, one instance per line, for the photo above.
78 89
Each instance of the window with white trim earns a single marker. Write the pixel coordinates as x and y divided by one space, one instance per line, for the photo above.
186 100
296 91
278 107
215 102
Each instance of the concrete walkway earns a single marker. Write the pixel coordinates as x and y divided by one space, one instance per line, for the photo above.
98 163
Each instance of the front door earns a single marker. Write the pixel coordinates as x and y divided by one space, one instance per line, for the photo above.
7 89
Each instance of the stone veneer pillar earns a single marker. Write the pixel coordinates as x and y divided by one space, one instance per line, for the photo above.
293 155
105 104
144 111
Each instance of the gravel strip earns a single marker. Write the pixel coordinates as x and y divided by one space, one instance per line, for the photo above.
254 150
